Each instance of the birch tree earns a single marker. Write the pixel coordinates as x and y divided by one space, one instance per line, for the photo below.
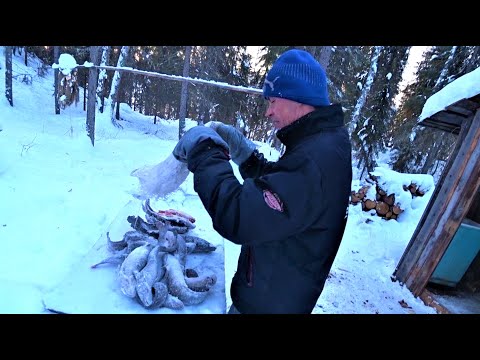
365 89
184 93
117 77
102 76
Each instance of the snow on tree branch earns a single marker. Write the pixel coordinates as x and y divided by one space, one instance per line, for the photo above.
67 63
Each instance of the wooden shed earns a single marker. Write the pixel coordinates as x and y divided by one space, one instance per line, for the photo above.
455 201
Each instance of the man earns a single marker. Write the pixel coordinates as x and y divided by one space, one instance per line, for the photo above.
290 215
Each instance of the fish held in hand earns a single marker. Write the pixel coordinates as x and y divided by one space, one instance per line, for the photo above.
161 179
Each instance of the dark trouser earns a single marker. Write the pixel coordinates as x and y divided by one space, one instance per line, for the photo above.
233 310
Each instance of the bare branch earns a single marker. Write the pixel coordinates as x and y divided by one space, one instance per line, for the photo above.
27 147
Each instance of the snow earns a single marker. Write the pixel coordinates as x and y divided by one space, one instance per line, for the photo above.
66 64
59 195
464 87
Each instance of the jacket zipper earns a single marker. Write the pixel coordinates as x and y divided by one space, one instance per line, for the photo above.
249 266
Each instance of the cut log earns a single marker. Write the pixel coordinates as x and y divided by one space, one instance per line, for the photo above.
382 208
396 209
354 199
369 204
389 199
381 191
413 188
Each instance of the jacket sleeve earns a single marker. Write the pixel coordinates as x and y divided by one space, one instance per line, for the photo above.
255 166
269 207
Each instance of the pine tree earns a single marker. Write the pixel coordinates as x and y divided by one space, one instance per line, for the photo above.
421 149
376 108
347 71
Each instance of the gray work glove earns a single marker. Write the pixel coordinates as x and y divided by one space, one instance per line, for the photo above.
192 138
240 147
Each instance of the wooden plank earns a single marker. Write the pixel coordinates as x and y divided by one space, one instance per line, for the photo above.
429 299
451 118
440 126
462 180
444 121
408 264
471 104
459 110
417 243
448 119
476 99
474 212
438 229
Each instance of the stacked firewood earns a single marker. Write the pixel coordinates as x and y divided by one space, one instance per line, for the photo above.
384 204
414 190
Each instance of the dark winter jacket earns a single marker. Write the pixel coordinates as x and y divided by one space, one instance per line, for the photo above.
289 216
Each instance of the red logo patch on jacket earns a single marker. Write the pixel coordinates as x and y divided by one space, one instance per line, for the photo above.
272 200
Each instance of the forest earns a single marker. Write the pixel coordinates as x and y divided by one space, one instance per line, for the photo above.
380 114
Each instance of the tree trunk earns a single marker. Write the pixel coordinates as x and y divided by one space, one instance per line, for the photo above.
184 93
117 111
26 56
366 89
56 56
92 86
8 74
325 55
102 77
432 155
85 91
444 72
114 89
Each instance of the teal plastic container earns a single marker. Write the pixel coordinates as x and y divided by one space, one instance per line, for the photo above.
459 255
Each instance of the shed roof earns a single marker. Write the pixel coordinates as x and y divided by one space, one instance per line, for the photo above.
450 119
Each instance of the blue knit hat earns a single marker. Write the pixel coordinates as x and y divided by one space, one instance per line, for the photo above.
297 76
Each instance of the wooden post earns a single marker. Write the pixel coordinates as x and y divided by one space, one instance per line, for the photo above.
92 95
447 211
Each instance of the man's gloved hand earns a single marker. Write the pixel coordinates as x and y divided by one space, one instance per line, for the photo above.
192 138
240 147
